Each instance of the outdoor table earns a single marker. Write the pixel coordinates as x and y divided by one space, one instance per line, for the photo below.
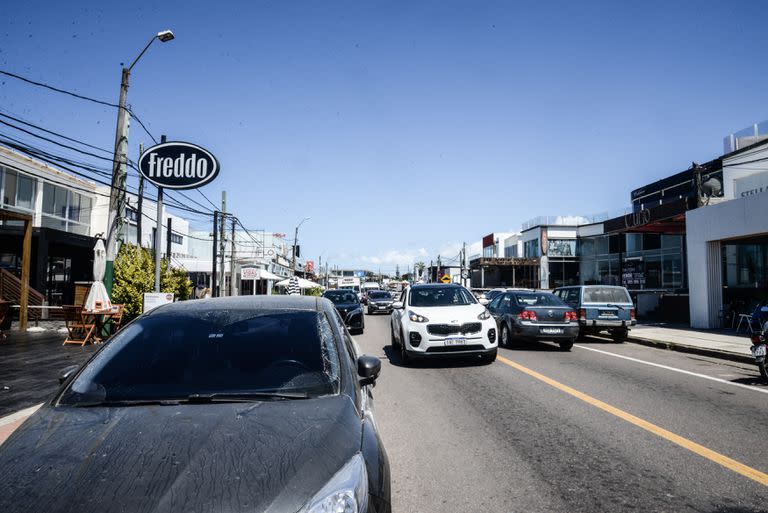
101 319
745 317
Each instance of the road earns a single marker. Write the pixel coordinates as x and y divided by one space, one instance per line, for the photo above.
587 430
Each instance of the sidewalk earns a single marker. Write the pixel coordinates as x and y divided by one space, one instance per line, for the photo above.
717 343
30 364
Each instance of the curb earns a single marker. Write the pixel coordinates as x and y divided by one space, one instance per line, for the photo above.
682 348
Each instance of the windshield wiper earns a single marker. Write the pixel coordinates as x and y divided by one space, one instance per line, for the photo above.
615 306
128 402
242 396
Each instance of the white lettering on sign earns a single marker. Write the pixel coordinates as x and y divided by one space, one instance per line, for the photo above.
178 165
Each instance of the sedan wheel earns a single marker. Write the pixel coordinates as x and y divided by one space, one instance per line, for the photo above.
404 358
504 336
566 346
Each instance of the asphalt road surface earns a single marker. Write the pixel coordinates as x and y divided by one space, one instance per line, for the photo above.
588 430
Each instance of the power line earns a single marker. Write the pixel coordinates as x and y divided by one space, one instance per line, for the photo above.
79 96
32 125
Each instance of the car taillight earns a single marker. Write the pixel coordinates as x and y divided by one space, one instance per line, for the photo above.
527 315
583 314
632 314
570 316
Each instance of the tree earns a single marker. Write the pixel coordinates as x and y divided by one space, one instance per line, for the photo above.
420 266
135 275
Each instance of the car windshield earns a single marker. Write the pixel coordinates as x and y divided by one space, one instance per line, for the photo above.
341 296
379 295
538 299
606 295
175 356
441 296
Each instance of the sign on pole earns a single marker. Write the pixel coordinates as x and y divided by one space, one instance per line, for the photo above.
445 278
178 165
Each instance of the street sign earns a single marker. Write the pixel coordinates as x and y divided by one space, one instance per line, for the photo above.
465 274
155 299
178 165
445 278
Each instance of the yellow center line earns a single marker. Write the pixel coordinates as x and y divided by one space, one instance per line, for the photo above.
692 446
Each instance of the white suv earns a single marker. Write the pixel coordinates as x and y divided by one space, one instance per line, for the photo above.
436 320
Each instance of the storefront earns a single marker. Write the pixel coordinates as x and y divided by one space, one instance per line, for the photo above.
644 251
727 259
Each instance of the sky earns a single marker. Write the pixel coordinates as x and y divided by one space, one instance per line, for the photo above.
402 128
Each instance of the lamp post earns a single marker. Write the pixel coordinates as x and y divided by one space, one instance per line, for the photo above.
120 159
295 243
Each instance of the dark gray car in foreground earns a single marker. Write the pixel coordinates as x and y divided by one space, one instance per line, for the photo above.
246 404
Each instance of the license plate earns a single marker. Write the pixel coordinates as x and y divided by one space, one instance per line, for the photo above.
552 331
455 341
758 350
607 313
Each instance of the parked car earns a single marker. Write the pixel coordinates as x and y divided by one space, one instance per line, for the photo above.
349 308
252 403
601 308
532 315
436 320
379 301
494 293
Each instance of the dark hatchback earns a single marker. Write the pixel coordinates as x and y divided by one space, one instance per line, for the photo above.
349 308
247 404
534 316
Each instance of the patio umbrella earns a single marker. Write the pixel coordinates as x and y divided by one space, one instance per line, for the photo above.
302 283
98 292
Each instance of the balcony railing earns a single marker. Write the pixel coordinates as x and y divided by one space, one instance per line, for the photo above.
745 137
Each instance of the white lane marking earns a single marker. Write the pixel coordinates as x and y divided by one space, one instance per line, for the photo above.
674 369
21 414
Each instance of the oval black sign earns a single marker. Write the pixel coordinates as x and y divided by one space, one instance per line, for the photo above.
178 165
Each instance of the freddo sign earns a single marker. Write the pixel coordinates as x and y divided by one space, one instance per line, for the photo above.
178 165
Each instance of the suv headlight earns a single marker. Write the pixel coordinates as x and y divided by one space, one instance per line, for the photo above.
347 490
416 317
484 315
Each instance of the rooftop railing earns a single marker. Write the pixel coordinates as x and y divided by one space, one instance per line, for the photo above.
745 137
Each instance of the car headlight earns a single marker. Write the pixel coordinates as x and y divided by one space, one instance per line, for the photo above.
346 492
416 317
484 315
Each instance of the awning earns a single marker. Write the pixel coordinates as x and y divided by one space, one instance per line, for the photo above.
266 275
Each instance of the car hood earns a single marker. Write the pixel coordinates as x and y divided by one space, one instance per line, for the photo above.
449 314
254 457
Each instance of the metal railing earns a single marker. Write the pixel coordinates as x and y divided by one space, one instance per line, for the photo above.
10 290
745 137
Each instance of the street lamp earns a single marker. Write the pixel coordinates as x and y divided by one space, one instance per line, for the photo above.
119 161
295 243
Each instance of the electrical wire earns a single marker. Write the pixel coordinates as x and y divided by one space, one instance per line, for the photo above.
79 96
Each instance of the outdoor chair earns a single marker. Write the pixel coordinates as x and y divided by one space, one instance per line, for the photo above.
79 326
5 307
117 319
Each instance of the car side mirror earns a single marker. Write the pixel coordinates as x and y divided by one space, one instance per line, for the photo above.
397 305
368 368
66 373
483 301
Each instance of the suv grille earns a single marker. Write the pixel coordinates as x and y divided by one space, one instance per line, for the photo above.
453 329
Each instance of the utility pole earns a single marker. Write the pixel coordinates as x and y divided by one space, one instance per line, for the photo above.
140 205
295 246
158 230
222 245
429 280
464 271
168 241
215 253
117 191
232 288
119 162
439 265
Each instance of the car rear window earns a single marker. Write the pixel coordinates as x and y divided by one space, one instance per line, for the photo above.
174 356
379 295
538 299
606 295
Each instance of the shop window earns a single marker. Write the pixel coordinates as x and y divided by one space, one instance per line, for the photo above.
586 247
634 242
73 212
651 241
25 195
601 245
176 238
653 272
531 248
9 187
614 243
671 241
562 247
672 271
